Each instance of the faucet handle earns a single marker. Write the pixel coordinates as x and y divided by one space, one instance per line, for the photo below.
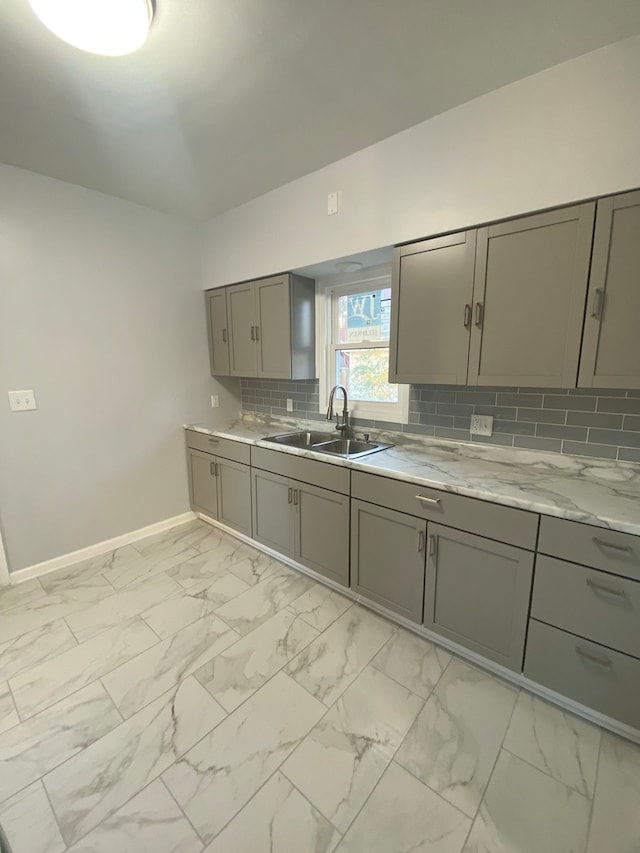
363 436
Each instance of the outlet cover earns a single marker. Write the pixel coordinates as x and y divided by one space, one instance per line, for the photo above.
481 425
22 401
289 404
215 401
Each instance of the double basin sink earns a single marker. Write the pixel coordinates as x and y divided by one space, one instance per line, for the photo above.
325 442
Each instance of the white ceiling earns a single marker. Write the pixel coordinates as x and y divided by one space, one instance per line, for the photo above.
231 98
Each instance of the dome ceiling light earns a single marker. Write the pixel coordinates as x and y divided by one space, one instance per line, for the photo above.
106 27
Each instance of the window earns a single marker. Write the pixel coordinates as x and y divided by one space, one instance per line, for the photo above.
353 333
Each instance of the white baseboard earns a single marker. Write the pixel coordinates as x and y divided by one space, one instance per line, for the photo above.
99 548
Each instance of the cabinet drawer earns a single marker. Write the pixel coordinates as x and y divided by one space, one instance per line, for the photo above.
322 474
595 676
237 451
601 607
514 526
593 546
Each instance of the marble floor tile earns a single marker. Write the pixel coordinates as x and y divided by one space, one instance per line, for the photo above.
36 646
333 661
203 567
120 607
254 566
203 598
555 741
216 778
403 816
412 661
526 811
615 824
171 541
351 747
100 563
151 822
29 823
320 606
20 595
79 584
146 677
454 742
8 714
233 675
124 577
101 779
35 747
40 612
49 682
277 819
251 609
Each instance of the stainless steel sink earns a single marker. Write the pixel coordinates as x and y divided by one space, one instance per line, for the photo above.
301 439
350 447
325 442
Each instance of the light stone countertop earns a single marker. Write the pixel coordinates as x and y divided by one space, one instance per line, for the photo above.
594 491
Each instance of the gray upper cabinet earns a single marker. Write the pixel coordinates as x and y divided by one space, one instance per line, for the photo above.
387 558
611 345
271 326
529 298
216 301
431 301
477 593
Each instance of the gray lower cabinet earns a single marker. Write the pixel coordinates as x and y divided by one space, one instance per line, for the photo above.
221 489
387 558
477 593
611 344
218 332
302 521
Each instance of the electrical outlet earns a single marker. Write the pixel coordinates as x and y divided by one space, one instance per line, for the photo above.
215 401
333 203
481 424
289 404
22 401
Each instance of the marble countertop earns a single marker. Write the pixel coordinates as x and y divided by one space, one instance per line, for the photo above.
594 491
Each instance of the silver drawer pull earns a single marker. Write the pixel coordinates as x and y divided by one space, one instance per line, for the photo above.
602 588
625 549
425 500
593 658
214 440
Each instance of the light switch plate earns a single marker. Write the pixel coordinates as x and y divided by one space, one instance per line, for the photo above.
481 424
215 401
333 203
22 401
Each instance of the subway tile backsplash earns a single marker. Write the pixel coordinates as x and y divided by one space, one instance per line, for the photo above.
584 422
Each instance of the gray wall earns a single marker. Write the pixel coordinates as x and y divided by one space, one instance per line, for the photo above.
102 314
603 424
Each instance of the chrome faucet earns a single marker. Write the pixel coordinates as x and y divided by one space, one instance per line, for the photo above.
343 427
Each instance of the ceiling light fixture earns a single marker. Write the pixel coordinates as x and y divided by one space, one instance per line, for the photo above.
106 27
348 266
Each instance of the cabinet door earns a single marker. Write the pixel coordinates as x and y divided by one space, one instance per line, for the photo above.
529 297
387 558
241 312
234 494
322 531
611 344
273 328
431 310
202 482
218 333
273 517
477 593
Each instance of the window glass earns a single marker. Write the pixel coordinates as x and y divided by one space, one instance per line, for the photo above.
364 316
364 372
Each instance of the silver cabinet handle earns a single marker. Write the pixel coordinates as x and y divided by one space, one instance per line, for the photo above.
426 500
433 547
213 469
479 313
257 333
290 494
420 541
624 549
214 440
295 497
224 336
600 587
598 300
253 333
467 316
584 653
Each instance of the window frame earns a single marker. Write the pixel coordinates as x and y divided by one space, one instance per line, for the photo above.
327 291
